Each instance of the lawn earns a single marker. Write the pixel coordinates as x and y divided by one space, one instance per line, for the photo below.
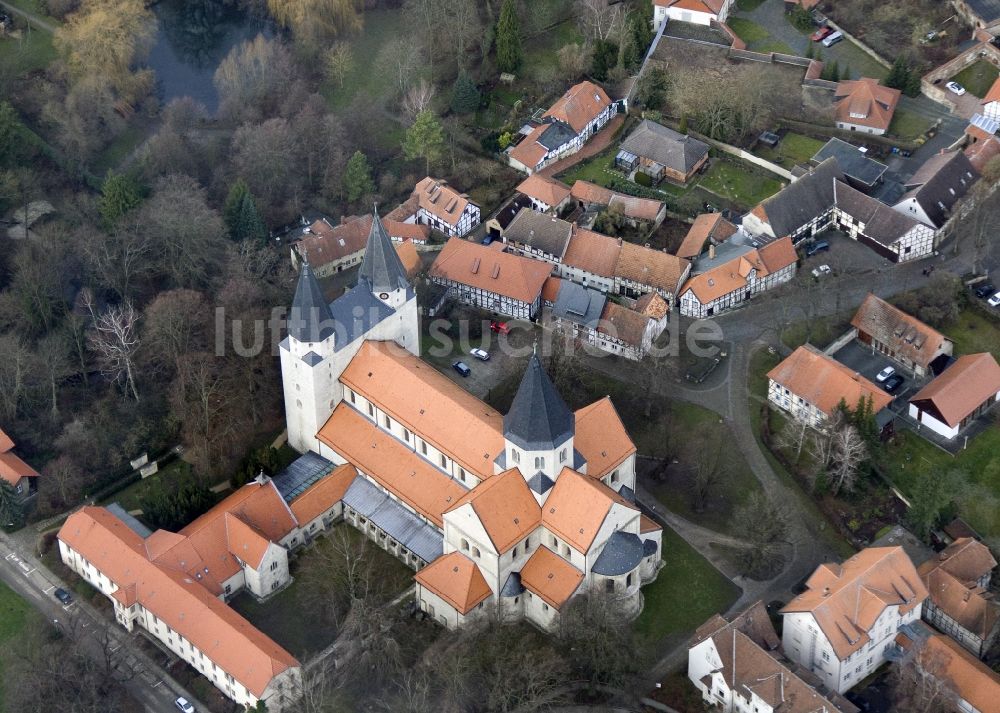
687 592
773 46
739 184
748 5
748 31
791 150
131 497
30 53
908 125
819 332
116 152
14 615
977 78
974 332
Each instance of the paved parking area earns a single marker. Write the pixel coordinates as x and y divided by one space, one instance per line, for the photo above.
845 256
868 364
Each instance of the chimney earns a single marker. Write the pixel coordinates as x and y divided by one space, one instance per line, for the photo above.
711 252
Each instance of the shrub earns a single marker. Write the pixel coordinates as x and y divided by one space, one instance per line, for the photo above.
643 179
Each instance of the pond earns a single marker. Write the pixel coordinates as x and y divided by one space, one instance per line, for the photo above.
192 38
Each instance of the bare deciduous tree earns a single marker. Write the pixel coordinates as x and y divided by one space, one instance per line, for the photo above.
418 98
921 682
115 340
849 453
601 19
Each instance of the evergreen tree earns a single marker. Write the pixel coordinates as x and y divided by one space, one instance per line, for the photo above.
638 35
605 59
11 506
425 139
508 38
241 214
912 88
464 94
119 195
898 75
357 180
234 206
831 72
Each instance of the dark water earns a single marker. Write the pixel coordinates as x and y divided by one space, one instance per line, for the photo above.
192 38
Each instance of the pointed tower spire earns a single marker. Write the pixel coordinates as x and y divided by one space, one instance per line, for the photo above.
538 419
382 267
310 319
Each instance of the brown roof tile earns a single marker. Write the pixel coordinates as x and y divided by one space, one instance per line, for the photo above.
655 268
513 276
456 579
963 386
581 104
324 494
577 506
958 670
544 189
441 200
706 226
865 102
593 252
551 577
906 335
505 507
601 438
618 322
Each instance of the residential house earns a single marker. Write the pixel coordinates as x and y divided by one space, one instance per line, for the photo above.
591 196
981 14
960 603
844 625
860 171
965 391
809 386
821 199
538 235
991 102
493 280
505 216
738 667
661 153
864 105
708 228
563 130
590 259
436 204
933 191
699 12
641 270
731 274
547 195
966 684
15 472
903 338
628 332
329 249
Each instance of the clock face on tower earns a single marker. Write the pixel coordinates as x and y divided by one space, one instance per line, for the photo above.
383 296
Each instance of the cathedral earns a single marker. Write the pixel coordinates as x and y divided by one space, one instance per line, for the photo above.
517 511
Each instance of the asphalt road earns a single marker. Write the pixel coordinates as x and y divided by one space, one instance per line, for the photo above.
35 583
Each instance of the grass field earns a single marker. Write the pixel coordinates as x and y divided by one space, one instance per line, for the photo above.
791 150
977 78
688 591
908 125
773 46
748 30
975 332
14 615
28 54
740 184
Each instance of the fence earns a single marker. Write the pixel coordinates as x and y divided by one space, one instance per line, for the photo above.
744 155
841 342
865 48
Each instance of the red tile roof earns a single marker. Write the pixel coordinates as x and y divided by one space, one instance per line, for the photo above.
456 579
506 274
550 577
865 102
580 105
962 388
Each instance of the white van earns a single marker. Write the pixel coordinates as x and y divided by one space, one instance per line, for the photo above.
833 39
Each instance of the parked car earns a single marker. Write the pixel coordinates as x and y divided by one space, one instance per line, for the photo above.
462 368
821 270
817 247
63 596
885 373
893 383
488 239
183 705
955 88
500 327
984 291
480 354
994 301
833 39
821 34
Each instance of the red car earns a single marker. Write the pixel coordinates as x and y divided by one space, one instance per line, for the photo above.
821 34
500 327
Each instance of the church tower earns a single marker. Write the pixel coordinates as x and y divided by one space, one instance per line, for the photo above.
306 370
538 431
382 272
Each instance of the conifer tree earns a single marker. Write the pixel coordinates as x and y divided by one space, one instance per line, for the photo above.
358 181
464 94
508 38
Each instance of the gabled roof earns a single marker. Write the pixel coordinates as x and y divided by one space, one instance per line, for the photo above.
707 226
881 223
506 274
939 183
177 599
904 334
846 600
381 266
427 402
962 388
630 206
592 252
538 418
855 164
529 152
326 243
456 579
580 105
550 577
734 274
824 382
601 438
6 442
409 257
577 507
624 324
713 7
956 668
543 189
981 152
802 200
993 95
12 468
323 495
865 102
665 146
539 231
655 268
441 200
505 507
310 319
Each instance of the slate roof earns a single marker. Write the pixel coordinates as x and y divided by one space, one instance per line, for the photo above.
852 162
538 418
512 587
986 10
802 200
356 311
622 553
579 304
882 224
539 231
664 146
382 267
310 319
541 483
939 184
